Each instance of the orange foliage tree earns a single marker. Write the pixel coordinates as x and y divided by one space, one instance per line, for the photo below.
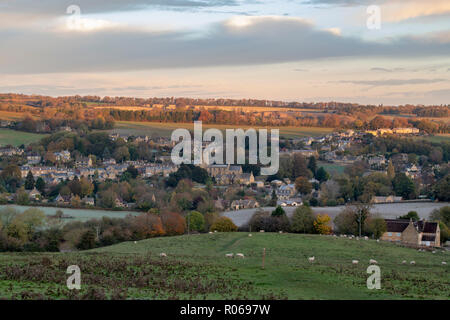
174 223
322 224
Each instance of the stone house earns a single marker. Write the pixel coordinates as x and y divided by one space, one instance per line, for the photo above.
418 233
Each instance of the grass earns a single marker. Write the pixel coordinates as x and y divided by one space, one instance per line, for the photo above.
165 129
331 168
196 267
17 138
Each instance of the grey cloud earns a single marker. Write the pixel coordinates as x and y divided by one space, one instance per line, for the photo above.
58 7
393 82
265 41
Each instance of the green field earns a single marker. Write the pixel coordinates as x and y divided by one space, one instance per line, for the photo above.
17 138
437 138
165 129
331 168
196 268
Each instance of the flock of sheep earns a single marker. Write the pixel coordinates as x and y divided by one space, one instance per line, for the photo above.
312 259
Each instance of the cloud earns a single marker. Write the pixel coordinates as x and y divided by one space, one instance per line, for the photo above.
257 40
393 82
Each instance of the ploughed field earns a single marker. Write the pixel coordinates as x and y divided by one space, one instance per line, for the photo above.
196 268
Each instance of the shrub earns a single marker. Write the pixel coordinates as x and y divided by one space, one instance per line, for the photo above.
224 224
262 220
278 212
87 240
376 227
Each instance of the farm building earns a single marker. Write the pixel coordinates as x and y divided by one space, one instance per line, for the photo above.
418 233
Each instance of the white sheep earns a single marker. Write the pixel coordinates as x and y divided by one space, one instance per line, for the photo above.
366 238
162 254
135 242
229 255
413 262
240 255
311 259
355 261
372 261
250 235
281 232
378 240
210 232
444 263
434 251
404 262
261 230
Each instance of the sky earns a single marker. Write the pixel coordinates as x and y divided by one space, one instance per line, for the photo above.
387 52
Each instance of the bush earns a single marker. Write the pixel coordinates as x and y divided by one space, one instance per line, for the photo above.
224 224
262 220
87 241
314 202
278 212
322 224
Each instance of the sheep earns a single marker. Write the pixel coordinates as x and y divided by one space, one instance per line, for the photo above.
162 254
135 242
281 232
229 255
210 232
444 263
240 255
378 240
311 259
261 230
412 262
434 251
366 238
355 261
404 262
372 261
250 235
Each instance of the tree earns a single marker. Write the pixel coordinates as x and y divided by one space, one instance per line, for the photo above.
300 167
224 224
322 175
303 185
404 186
321 224
196 221
132 171
40 184
376 227
121 154
29 181
86 187
278 212
274 199
441 190
312 165
174 223
87 240
345 222
411 215
390 170
303 220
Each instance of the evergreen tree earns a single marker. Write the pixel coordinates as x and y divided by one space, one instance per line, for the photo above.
29 181
40 184
312 165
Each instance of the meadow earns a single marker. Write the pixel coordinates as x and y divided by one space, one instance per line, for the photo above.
17 138
166 129
196 268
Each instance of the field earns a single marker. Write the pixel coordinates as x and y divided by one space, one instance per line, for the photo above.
331 168
17 138
165 129
438 138
196 268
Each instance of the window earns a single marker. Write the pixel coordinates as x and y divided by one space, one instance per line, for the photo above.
399 234
389 234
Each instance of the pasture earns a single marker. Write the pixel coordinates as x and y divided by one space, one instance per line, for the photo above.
17 138
196 268
166 129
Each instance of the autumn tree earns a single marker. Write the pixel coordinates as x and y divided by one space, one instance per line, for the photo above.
322 224
303 185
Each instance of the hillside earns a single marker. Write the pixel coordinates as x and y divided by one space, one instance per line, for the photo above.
196 267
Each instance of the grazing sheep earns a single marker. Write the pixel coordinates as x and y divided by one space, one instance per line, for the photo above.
240 255
404 262
372 261
378 240
229 255
135 242
355 261
261 230
311 259
162 254
250 235
444 263
366 238
357 238
210 232
215 230
281 232
434 251
412 262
